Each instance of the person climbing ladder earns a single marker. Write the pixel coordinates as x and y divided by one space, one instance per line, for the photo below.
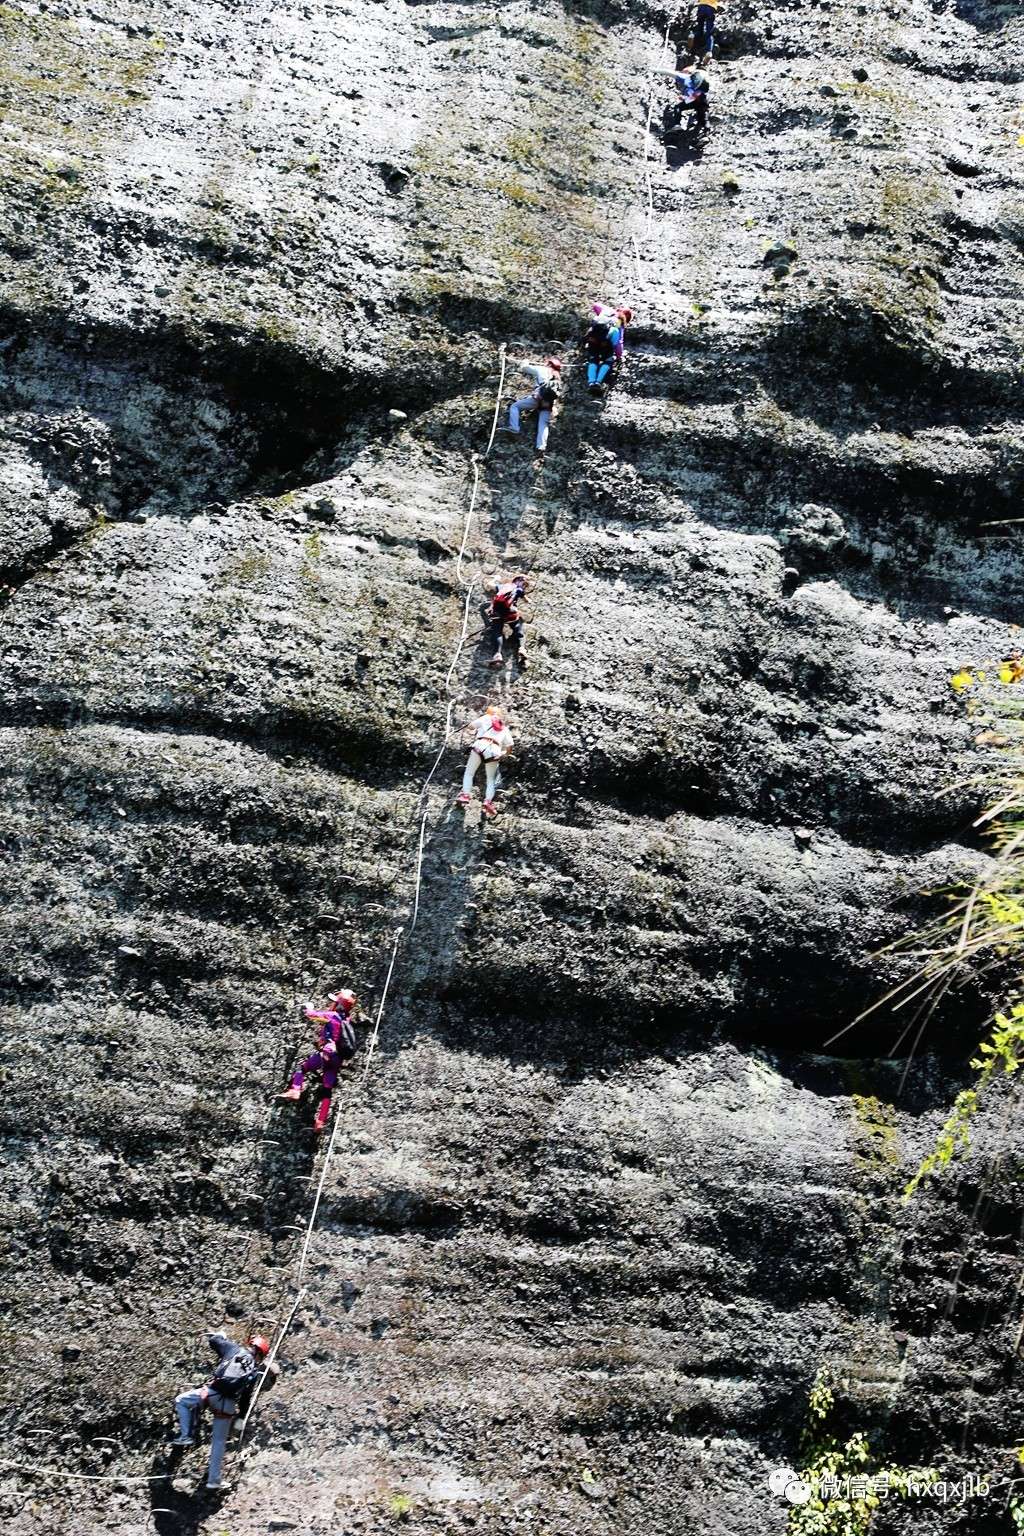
692 86
488 739
541 399
600 343
503 610
704 32
335 1048
605 344
239 1371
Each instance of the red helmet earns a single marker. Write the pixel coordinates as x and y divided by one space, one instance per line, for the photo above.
345 999
260 1344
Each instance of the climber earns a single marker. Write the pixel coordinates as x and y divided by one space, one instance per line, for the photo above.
488 739
240 1370
602 340
542 399
692 86
704 34
624 317
502 610
335 1048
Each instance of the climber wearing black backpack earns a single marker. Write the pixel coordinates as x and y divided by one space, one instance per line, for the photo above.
335 1048
542 399
239 1371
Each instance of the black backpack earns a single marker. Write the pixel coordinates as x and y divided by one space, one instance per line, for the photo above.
237 1377
346 1041
548 394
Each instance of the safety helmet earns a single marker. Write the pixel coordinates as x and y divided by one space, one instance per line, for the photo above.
346 998
260 1344
520 579
625 315
554 362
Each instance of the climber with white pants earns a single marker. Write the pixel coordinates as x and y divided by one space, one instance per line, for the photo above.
239 1370
488 739
541 399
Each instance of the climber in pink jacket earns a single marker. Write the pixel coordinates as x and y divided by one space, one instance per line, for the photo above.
335 1048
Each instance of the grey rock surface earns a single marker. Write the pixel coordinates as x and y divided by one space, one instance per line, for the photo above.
610 1193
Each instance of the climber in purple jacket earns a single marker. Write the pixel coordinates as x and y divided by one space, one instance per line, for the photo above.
335 1048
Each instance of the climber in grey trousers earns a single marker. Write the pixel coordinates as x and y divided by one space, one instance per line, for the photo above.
541 399
239 1371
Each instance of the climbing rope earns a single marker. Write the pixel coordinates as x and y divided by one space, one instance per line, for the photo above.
310 1225
423 812
404 930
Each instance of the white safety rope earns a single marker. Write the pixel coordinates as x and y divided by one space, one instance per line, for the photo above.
310 1224
658 69
404 930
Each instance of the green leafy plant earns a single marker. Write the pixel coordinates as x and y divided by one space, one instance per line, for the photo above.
847 1483
984 925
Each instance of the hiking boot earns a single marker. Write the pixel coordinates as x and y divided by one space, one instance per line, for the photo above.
522 660
490 809
496 660
463 799
511 431
291 1093
220 1487
183 1440
705 60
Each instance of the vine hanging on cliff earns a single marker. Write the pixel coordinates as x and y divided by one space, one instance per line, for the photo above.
985 924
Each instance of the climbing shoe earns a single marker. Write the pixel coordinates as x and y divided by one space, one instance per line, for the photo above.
220 1487
496 660
510 431
183 1440
490 809
463 799
323 1114
521 658
291 1093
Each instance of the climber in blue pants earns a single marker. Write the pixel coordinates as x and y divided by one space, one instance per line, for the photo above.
603 347
704 36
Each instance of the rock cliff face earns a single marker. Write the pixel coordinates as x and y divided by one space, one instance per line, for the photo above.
606 1200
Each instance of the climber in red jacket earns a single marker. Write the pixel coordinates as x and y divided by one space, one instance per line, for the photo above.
503 610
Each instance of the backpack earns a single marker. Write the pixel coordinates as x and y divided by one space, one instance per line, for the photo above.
237 1377
504 600
547 394
345 1044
